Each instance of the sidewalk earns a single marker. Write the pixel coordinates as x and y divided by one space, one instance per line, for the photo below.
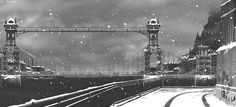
175 97
215 102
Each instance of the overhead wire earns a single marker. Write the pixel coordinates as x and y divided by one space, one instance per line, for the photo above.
136 53
27 52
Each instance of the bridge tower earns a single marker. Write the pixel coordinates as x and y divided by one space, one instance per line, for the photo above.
10 47
153 47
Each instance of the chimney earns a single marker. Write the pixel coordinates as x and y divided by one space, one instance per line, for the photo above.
32 62
28 62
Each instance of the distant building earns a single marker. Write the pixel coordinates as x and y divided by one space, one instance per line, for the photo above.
191 65
171 65
213 62
203 60
197 41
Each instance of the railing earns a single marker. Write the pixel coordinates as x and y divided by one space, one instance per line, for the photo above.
117 90
188 80
107 94
226 93
21 30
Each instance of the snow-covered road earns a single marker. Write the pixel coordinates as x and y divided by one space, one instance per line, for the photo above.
176 97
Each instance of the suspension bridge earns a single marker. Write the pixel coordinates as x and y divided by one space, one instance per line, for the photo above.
151 59
142 60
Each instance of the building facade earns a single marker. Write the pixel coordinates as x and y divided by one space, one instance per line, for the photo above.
226 57
1 63
228 21
226 54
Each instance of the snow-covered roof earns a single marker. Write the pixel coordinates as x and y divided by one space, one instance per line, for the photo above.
11 21
226 47
172 62
192 58
224 3
153 21
185 56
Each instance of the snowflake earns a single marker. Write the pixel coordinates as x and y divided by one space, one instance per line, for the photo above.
130 7
153 14
81 42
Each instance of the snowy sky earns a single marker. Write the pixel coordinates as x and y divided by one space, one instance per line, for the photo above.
180 19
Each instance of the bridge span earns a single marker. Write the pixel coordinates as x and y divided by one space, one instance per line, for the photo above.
11 51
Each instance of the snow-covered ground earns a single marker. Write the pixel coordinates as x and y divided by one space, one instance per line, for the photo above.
175 97
215 102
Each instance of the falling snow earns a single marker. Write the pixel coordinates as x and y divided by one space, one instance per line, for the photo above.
175 18
81 42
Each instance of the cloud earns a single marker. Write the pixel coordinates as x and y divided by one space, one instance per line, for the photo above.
37 42
185 26
140 3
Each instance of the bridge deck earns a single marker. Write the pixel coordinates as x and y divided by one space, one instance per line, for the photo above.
175 97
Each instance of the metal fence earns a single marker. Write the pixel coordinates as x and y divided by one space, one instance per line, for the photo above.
226 94
93 95
107 94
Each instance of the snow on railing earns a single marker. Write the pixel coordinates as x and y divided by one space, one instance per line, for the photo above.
81 95
205 76
40 101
